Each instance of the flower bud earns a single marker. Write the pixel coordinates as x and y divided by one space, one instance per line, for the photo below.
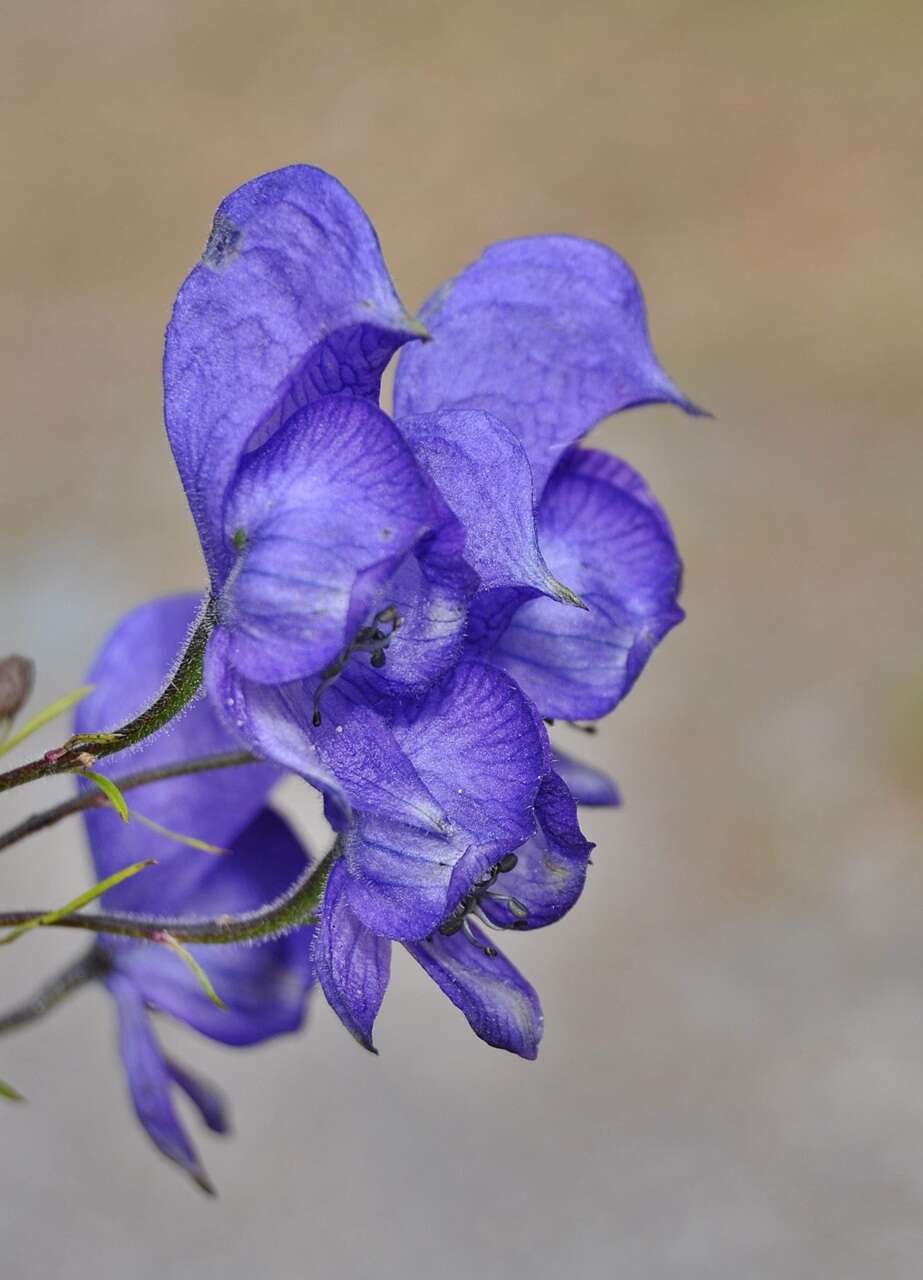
17 675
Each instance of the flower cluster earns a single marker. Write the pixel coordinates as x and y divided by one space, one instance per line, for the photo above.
400 603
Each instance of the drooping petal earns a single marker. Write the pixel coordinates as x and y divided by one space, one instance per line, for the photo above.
501 1007
208 1101
150 1081
291 301
547 333
483 474
616 551
263 986
475 744
400 875
550 867
131 668
325 511
588 785
352 963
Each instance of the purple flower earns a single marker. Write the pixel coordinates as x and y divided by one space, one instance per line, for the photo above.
330 532
549 334
527 887
264 986
400 602
307 499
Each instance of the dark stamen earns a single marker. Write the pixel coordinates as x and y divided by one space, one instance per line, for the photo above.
466 929
371 639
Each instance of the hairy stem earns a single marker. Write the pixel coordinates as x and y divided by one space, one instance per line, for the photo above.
181 688
293 909
95 799
92 964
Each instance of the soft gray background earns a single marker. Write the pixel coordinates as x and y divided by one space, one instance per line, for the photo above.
731 1083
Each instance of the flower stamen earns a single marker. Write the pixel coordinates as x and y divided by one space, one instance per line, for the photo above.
470 904
371 639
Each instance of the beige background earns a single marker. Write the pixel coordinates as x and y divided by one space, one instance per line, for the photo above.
731 1083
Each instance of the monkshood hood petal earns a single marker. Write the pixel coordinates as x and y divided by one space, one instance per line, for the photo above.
602 532
290 301
321 516
548 334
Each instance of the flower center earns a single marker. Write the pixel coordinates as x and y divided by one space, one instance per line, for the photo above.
470 904
373 639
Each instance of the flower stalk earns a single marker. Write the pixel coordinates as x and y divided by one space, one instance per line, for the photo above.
292 910
85 749
129 782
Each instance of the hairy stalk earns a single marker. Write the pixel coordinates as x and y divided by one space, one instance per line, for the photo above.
95 799
83 749
92 964
293 909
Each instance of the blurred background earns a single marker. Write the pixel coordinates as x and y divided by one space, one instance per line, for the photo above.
731 1081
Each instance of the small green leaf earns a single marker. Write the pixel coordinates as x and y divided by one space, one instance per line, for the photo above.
7 1091
51 917
41 718
110 791
192 964
192 841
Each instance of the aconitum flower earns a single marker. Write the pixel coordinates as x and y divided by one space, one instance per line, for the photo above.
401 601
334 535
526 889
264 987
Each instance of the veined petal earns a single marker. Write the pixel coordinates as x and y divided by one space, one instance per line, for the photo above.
588 785
483 474
291 301
549 334
501 1007
352 755
132 667
263 986
474 743
325 511
550 867
352 963
399 876
150 1081
617 552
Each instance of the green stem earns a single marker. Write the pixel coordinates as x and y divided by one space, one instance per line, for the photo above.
92 964
144 777
292 910
181 688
